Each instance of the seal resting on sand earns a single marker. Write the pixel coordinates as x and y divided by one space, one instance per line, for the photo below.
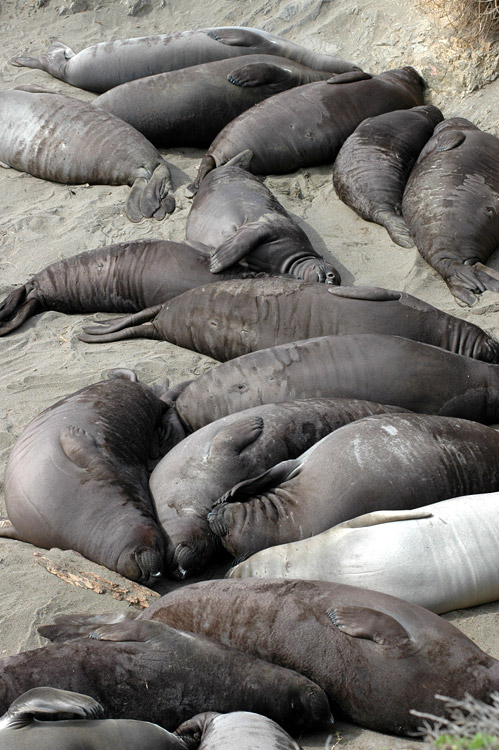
107 64
59 138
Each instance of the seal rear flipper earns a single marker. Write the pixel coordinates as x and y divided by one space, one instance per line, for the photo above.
259 74
16 308
371 624
467 281
150 198
79 446
129 327
369 293
46 701
54 61
349 77
234 438
208 163
247 238
71 627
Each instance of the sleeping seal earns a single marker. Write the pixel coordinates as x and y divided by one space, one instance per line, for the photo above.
102 66
240 729
442 556
381 462
451 205
59 138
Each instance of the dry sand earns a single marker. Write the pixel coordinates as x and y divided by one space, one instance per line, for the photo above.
42 222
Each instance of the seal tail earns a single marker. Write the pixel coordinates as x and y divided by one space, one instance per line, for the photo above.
54 61
120 329
150 198
16 308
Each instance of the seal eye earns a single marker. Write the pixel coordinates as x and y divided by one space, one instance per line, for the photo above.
490 211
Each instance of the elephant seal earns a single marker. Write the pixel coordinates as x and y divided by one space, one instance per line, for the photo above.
161 107
312 121
427 459
375 367
451 205
77 478
240 729
236 215
375 656
197 471
152 672
206 319
372 167
59 138
125 278
105 65
442 556
21 728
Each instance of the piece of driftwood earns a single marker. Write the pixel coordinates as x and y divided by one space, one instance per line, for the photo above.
105 581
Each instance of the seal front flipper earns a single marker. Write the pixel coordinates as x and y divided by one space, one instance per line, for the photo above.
244 241
46 701
371 624
208 163
259 74
236 437
71 627
383 516
54 61
349 77
235 37
369 293
138 631
263 482
79 446
8 530
395 225
133 326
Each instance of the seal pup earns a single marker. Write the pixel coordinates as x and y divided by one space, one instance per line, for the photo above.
241 729
22 729
206 319
381 462
372 167
197 471
152 672
122 278
63 139
77 478
451 205
375 367
442 556
189 107
107 64
376 656
312 121
238 216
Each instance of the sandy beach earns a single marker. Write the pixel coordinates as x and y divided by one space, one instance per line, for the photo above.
42 222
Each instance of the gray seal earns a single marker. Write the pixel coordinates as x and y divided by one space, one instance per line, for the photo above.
451 205
240 729
307 126
59 138
189 107
372 167
27 725
77 478
376 656
344 475
207 320
442 556
107 64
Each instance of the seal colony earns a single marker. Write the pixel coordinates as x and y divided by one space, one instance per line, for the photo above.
395 369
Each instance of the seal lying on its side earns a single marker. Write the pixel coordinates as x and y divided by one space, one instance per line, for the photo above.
451 205
125 277
59 138
21 728
197 471
376 656
307 126
240 729
443 556
102 66
206 319
77 478
385 369
236 215
372 167
151 672
382 462
161 107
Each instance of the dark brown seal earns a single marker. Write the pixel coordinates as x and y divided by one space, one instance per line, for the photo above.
238 216
102 66
59 138
451 205
77 478
307 126
151 672
383 462
276 309
189 107
376 656
124 278
372 167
